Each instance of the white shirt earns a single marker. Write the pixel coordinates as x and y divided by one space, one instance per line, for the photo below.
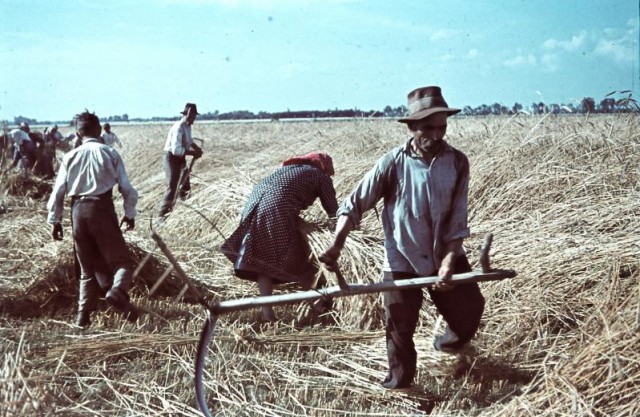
110 139
19 136
179 138
91 169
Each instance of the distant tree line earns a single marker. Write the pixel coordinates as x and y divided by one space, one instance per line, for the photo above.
609 104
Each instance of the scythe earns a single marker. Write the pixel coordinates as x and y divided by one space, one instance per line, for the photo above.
224 307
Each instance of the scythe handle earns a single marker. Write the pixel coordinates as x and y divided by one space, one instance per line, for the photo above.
229 306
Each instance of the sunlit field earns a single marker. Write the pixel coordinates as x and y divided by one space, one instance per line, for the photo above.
559 193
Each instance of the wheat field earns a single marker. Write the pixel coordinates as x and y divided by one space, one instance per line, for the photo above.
559 193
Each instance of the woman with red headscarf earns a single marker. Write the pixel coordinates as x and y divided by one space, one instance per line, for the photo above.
267 247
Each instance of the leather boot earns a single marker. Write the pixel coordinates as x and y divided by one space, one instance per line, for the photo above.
120 300
83 319
449 342
87 301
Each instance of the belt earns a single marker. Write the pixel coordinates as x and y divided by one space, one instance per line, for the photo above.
171 155
100 197
87 198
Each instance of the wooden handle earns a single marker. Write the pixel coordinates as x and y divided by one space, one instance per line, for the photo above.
484 252
353 289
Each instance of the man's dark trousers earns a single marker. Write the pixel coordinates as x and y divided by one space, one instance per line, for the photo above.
98 241
174 166
462 308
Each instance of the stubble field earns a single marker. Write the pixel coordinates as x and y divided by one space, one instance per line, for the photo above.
559 193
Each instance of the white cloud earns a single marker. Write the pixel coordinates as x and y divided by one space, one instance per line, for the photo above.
570 45
472 54
447 57
521 60
615 49
617 44
550 62
620 46
442 35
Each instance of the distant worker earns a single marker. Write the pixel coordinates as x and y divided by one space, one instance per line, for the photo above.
424 187
88 174
24 148
179 144
46 153
268 247
69 142
109 137
53 136
43 166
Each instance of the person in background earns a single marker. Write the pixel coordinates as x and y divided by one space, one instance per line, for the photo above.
268 247
88 174
110 138
46 153
53 136
424 186
179 144
24 149
70 142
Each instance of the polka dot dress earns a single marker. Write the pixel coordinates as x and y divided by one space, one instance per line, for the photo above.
268 241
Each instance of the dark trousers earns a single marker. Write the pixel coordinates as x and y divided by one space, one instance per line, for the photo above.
461 308
43 166
174 167
25 155
100 248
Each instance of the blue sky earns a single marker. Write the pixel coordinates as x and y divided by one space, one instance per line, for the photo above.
147 58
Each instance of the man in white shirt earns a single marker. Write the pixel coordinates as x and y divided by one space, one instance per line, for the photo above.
88 174
24 149
179 144
109 137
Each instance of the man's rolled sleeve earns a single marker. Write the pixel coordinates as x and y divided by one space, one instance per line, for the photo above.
129 194
366 194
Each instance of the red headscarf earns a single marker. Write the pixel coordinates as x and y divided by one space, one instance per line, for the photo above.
318 159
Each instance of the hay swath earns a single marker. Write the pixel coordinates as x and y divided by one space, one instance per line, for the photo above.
213 311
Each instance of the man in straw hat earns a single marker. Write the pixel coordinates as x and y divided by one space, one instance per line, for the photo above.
179 144
88 174
424 185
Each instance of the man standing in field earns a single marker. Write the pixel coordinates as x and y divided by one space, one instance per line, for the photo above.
24 149
179 144
88 174
424 185
110 138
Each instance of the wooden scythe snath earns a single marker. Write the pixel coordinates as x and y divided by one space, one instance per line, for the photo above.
213 311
